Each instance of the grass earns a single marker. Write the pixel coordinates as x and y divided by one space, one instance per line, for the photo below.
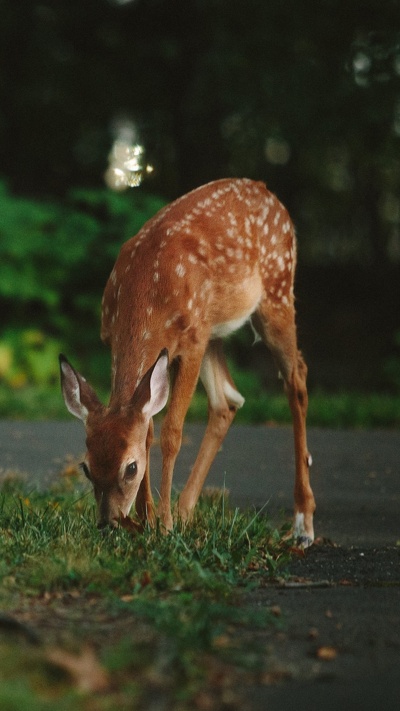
121 618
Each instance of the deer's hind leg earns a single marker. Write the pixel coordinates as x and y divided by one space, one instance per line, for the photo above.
275 322
223 402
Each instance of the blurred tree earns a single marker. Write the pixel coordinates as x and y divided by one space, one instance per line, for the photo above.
303 95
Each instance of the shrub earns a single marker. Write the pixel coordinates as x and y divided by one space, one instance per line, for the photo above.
55 260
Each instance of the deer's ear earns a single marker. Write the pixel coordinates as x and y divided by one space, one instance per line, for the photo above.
79 397
151 394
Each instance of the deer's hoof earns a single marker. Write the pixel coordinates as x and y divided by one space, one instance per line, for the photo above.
303 533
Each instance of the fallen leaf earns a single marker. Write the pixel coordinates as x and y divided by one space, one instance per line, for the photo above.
71 466
70 470
327 654
87 673
297 551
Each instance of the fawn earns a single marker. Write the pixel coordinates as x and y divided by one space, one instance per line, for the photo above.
197 271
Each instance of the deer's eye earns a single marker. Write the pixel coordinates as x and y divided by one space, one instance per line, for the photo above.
85 470
130 471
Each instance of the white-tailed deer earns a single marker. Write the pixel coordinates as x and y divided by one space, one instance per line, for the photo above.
197 271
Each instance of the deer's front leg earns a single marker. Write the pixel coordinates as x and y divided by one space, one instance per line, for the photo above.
186 376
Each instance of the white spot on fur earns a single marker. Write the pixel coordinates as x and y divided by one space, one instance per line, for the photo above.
172 320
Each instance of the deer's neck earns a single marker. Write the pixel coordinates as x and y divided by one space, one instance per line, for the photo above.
131 357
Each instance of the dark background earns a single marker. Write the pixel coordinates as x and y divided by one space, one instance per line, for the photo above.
302 95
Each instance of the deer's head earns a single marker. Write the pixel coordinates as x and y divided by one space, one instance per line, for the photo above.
116 456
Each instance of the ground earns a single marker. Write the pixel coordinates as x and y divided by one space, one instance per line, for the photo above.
335 636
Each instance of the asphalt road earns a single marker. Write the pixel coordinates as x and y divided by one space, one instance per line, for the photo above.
355 475
344 598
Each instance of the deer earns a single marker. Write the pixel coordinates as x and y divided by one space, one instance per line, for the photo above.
204 265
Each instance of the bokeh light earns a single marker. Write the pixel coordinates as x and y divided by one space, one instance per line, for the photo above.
127 164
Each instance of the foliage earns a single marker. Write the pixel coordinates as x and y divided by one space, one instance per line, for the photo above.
274 92
54 258
184 587
326 409
28 357
304 99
